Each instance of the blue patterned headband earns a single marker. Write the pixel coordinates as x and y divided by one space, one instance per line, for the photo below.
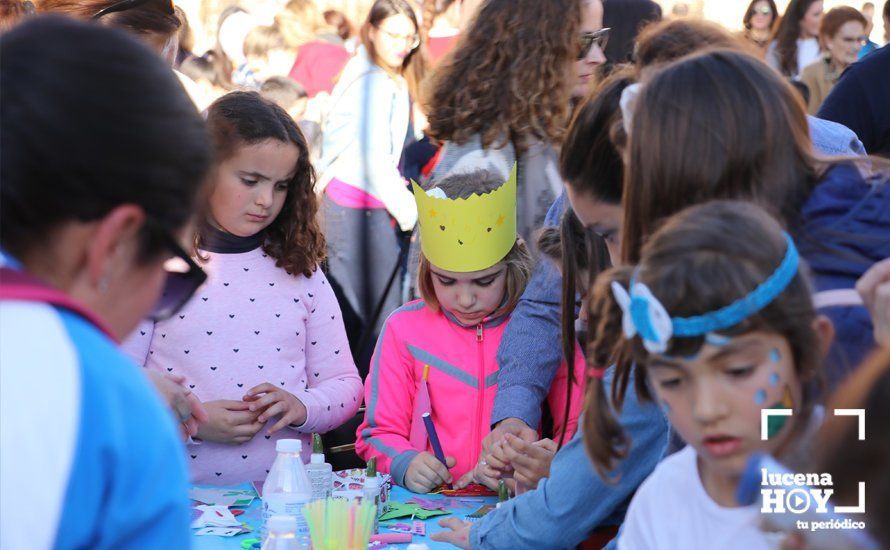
644 314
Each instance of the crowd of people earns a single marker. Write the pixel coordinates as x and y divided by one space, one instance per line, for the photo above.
595 243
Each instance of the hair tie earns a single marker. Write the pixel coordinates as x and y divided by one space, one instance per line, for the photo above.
596 372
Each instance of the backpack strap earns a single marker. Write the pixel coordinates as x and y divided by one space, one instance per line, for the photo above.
20 286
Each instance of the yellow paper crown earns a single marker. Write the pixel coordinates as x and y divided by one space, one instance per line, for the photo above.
463 235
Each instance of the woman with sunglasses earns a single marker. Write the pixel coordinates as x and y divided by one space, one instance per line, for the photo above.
520 65
759 21
262 344
366 200
90 213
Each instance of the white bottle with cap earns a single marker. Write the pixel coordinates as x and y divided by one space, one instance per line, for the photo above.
287 489
282 534
321 474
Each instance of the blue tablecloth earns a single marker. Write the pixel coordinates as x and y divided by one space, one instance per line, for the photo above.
253 517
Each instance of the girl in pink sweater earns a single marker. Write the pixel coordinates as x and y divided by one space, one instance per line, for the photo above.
262 342
473 270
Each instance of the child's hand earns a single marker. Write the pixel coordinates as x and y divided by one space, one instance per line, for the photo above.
425 473
185 405
459 535
479 474
874 287
229 422
276 401
530 461
492 447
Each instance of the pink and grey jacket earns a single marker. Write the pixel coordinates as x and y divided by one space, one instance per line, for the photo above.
462 382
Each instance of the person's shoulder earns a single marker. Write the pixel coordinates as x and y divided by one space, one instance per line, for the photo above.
671 475
813 71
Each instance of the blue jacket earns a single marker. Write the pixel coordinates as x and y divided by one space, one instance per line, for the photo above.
564 509
90 457
529 353
844 229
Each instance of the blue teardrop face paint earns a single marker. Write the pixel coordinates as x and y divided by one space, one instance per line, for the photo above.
774 355
774 379
760 397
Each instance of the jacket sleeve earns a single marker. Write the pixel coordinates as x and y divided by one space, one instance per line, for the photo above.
575 500
556 399
379 155
334 388
529 354
389 401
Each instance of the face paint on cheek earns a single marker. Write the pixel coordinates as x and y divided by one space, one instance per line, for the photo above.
775 356
774 379
760 397
776 423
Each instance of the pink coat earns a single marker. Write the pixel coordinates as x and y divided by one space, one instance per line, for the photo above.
462 384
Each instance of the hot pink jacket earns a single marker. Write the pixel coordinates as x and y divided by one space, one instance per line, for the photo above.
462 383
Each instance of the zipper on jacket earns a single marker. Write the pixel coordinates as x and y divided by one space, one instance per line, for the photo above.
480 397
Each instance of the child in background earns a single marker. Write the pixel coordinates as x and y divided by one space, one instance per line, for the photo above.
473 269
203 73
267 53
262 343
720 324
292 97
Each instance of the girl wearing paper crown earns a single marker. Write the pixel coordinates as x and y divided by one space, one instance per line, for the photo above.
438 354
718 323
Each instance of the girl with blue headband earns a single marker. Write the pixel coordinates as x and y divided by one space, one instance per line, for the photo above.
718 321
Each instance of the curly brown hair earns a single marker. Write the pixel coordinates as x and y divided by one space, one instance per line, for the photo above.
513 65
294 239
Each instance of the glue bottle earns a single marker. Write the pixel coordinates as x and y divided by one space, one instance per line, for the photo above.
282 534
321 476
371 488
287 490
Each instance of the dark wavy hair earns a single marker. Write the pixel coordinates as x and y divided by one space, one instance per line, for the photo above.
294 239
512 64
787 33
700 260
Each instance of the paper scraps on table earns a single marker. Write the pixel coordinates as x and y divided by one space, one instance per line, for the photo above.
402 510
416 528
481 512
472 490
215 516
222 497
221 531
428 503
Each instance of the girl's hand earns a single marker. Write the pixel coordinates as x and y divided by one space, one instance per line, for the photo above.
459 535
493 456
274 401
480 474
425 473
530 461
185 405
229 422
874 287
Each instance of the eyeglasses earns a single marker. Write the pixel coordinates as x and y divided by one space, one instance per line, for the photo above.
183 278
166 6
763 10
413 40
589 39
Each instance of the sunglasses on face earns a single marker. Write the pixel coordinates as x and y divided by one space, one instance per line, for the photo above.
166 6
183 277
590 39
763 10
413 40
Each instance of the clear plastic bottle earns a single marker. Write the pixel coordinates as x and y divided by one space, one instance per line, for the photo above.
286 489
371 490
321 476
282 534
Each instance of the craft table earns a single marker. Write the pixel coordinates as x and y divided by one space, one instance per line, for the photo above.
253 517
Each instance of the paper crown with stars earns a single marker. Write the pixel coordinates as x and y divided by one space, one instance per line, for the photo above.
471 234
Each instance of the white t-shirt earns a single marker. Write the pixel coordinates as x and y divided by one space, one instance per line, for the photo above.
808 51
672 510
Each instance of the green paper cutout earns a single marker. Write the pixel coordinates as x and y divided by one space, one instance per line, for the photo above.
402 510
776 423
